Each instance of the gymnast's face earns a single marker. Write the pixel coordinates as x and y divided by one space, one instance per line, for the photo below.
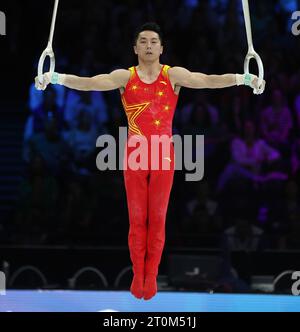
148 46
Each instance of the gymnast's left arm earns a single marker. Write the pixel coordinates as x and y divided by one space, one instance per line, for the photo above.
185 78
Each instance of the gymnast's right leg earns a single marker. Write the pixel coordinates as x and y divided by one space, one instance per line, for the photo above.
136 184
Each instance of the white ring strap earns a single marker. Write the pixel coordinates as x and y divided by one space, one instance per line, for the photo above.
251 52
48 50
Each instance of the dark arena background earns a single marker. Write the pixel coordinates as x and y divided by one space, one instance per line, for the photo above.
232 239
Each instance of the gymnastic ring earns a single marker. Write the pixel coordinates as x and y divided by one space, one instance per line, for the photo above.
253 55
47 52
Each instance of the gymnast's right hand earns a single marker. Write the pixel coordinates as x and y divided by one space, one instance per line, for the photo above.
45 81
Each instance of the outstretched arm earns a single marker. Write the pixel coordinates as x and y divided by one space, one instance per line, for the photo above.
104 82
183 77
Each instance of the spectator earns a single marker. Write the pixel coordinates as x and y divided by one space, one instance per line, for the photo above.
214 134
248 153
82 142
243 236
276 121
92 102
77 209
36 97
50 146
202 212
47 110
35 213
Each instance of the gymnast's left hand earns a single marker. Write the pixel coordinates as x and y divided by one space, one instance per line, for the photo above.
252 81
258 89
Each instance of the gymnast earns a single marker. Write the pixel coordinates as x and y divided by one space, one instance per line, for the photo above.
149 93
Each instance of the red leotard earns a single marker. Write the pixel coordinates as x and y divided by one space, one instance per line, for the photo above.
150 110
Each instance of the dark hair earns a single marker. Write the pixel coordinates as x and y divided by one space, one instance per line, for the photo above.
149 26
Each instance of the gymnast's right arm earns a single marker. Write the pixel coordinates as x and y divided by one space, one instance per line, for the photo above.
104 82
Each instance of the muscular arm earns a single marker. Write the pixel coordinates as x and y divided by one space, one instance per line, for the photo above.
182 77
104 82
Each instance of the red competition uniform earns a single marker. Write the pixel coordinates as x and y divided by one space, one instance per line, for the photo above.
150 110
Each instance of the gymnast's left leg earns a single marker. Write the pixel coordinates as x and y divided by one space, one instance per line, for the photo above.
160 185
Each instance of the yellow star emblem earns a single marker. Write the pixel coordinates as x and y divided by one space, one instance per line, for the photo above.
133 112
160 93
157 122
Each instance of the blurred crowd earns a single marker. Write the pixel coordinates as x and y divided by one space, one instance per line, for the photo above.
249 197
